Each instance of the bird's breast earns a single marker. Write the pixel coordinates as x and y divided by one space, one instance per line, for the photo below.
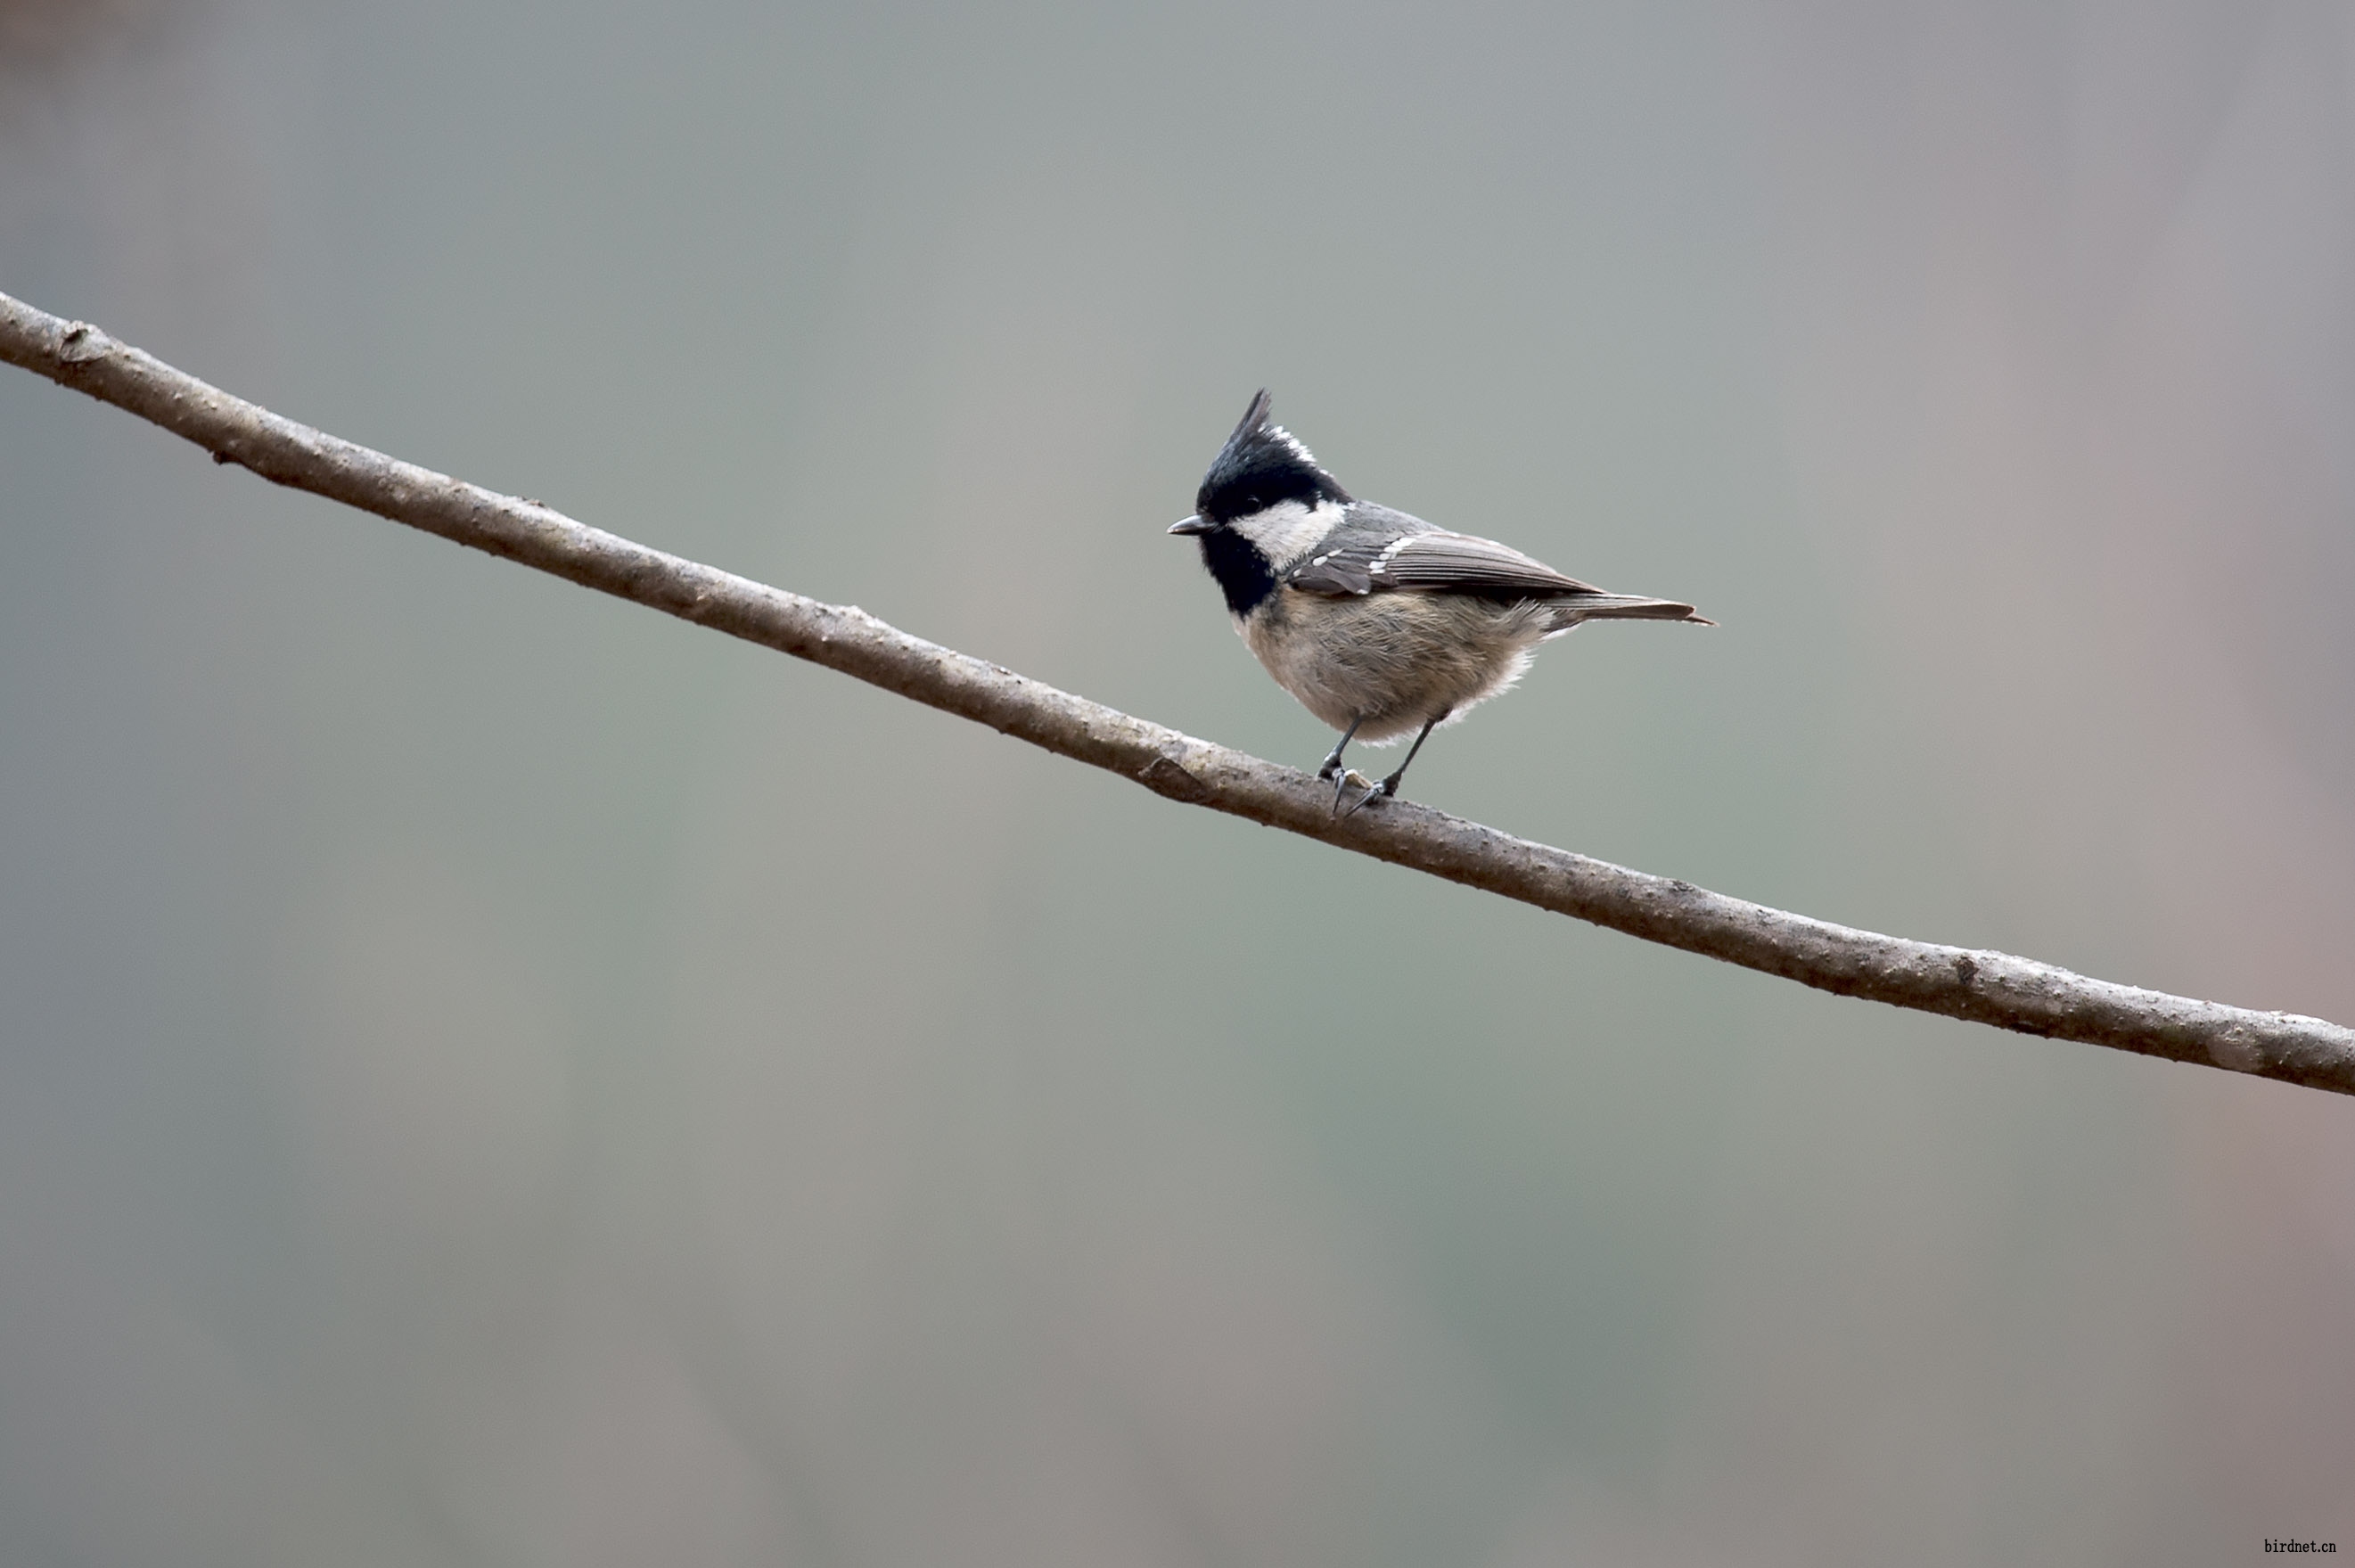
1389 662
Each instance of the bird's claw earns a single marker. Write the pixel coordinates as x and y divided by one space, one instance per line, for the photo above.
1374 792
1341 778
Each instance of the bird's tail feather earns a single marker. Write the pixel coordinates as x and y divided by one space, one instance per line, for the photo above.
1569 612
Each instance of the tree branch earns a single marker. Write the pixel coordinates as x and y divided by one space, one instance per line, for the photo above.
1981 986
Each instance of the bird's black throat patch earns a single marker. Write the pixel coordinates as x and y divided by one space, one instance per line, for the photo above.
1243 574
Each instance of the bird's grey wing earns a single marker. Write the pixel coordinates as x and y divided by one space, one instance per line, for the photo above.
1332 576
1341 564
1444 562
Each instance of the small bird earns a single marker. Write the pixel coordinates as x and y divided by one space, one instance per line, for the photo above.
1381 624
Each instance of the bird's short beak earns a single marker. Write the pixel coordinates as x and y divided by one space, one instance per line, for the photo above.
1192 526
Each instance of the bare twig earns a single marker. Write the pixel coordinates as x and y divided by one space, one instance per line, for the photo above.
1982 987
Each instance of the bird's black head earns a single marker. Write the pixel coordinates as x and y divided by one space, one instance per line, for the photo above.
1262 466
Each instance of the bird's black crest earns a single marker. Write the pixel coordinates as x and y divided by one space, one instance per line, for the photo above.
1259 466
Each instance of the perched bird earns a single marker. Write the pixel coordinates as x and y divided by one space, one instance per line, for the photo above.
1381 625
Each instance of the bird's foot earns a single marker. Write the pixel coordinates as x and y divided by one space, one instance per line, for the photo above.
1342 779
1374 792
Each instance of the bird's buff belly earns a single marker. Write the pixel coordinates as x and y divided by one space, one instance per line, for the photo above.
1390 663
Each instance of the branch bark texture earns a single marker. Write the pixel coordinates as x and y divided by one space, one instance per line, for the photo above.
1981 986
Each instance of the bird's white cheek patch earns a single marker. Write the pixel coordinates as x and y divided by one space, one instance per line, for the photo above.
1285 531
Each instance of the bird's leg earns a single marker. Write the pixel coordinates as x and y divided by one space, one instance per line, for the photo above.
1389 786
1333 763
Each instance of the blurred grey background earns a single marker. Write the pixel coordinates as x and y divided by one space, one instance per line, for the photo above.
489 1076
